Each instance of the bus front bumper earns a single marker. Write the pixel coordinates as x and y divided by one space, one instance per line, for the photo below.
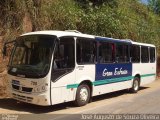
38 99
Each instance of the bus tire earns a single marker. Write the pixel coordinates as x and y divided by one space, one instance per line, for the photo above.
135 85
83 95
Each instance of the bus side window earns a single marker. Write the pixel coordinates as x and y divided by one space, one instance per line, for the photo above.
135 53
106 52
122 53
152 54
145 54
86 51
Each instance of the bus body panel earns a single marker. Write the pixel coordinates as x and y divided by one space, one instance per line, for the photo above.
112 77
106 88
147 74
35 91
70 83
60 91
85 73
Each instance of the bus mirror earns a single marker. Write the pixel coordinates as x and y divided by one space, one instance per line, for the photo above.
4 51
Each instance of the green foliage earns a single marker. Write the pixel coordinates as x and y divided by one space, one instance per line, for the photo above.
155 6
125 19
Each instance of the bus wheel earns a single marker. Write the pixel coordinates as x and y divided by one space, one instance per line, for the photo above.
83 95
136 85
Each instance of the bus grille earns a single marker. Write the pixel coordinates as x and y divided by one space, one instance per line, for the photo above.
22 98
15 87
26 89
23 89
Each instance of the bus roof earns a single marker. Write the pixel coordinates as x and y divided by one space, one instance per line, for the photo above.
143 44
113 40
60 33
78 34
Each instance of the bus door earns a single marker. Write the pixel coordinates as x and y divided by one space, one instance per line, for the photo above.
63 73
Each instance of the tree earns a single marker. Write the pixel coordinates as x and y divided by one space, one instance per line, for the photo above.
97 3
155 6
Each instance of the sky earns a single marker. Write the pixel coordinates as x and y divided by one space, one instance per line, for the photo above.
144 1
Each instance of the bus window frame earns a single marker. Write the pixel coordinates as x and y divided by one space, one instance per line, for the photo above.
95 53
148 53
113 52
139 53
128 53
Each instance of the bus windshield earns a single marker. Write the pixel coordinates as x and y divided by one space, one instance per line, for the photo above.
31 56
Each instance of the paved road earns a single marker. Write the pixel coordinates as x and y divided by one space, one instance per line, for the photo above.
146 101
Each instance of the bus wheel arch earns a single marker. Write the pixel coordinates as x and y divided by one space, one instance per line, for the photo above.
136 83
83 93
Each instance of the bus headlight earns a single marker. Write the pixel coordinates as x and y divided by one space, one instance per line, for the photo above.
39 89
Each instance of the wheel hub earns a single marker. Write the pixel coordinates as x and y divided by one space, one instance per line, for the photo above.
83 94
136 85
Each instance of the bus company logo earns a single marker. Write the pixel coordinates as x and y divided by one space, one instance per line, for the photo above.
117 71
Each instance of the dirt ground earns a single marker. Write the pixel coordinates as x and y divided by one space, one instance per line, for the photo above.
3 85
3 93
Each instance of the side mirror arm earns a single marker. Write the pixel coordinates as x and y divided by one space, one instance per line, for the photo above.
4 50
